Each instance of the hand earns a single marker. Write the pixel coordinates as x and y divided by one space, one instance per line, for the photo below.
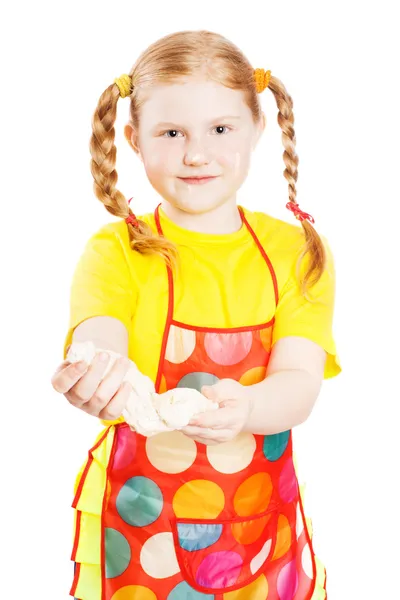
224 424
84 386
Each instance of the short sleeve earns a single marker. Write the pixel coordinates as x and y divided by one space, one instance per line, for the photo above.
296 316
102 284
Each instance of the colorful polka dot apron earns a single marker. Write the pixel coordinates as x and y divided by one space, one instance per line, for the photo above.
184 521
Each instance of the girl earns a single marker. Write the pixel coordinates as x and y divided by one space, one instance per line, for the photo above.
205 294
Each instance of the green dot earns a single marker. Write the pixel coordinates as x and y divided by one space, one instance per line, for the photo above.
118 553
139 501
275 445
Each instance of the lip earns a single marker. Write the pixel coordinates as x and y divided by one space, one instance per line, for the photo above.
198 180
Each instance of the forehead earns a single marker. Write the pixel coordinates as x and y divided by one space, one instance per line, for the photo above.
197 101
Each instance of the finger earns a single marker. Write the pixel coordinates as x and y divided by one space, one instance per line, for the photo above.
67 375
204 433
107 387
214 419
113 410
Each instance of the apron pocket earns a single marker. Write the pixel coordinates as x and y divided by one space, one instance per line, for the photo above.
217 556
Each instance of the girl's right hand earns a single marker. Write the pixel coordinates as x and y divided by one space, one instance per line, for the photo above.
84 387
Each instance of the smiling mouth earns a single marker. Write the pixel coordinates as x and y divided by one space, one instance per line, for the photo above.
197 180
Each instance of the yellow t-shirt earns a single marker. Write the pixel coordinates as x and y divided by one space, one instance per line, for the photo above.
223 281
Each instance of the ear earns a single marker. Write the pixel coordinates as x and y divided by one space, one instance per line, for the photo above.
132 138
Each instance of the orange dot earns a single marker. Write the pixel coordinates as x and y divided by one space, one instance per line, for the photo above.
248 532
253 495
134 592
198 499
253 376
266 338
163 385
283 538
256 589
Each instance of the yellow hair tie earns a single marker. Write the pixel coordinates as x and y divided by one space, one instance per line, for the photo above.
262 79
124 83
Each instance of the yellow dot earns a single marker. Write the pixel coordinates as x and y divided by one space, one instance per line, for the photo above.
253 376
134 592
171 452
180 345
232 456
198 499
253 495
283 538
266 338
256 589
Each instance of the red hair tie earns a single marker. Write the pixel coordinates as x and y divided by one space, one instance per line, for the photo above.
298 213
132 217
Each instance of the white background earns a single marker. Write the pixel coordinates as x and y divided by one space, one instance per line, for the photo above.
337 60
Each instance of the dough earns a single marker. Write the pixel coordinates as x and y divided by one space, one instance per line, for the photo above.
147 412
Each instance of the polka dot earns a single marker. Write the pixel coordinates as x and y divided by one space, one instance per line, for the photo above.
266 338
287 581
158 558
288 482
183 591
163 385
139 501
219 569
196 536
134 592
197 380
275 445
126 448
181 344
228 348
253 376
256 589
248 532
118 553
198 499
283 538
306 561
171 452
261 557
253 495
232 456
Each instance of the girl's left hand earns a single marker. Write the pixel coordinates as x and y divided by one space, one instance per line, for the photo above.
224 424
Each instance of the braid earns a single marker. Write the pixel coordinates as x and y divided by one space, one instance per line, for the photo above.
102 166
314 245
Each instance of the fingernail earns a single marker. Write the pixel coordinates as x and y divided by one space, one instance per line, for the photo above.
103 357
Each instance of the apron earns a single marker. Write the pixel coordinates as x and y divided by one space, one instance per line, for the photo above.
184 521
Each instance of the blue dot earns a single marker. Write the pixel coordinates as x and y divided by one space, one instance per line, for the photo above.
183 591
118 552
275 445
198 536
197 380
139 501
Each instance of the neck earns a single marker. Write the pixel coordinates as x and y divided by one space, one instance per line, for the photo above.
223 219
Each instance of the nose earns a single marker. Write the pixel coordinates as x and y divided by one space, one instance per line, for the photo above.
197 153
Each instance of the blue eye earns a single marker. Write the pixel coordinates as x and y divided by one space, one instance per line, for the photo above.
164 134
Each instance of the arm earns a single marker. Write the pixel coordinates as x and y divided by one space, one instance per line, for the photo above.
292 385
105 332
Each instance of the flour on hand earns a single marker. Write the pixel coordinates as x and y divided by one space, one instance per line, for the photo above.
147 412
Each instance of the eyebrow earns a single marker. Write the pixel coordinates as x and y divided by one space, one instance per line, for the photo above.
223 118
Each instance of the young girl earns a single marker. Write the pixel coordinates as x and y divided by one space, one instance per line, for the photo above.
209 295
